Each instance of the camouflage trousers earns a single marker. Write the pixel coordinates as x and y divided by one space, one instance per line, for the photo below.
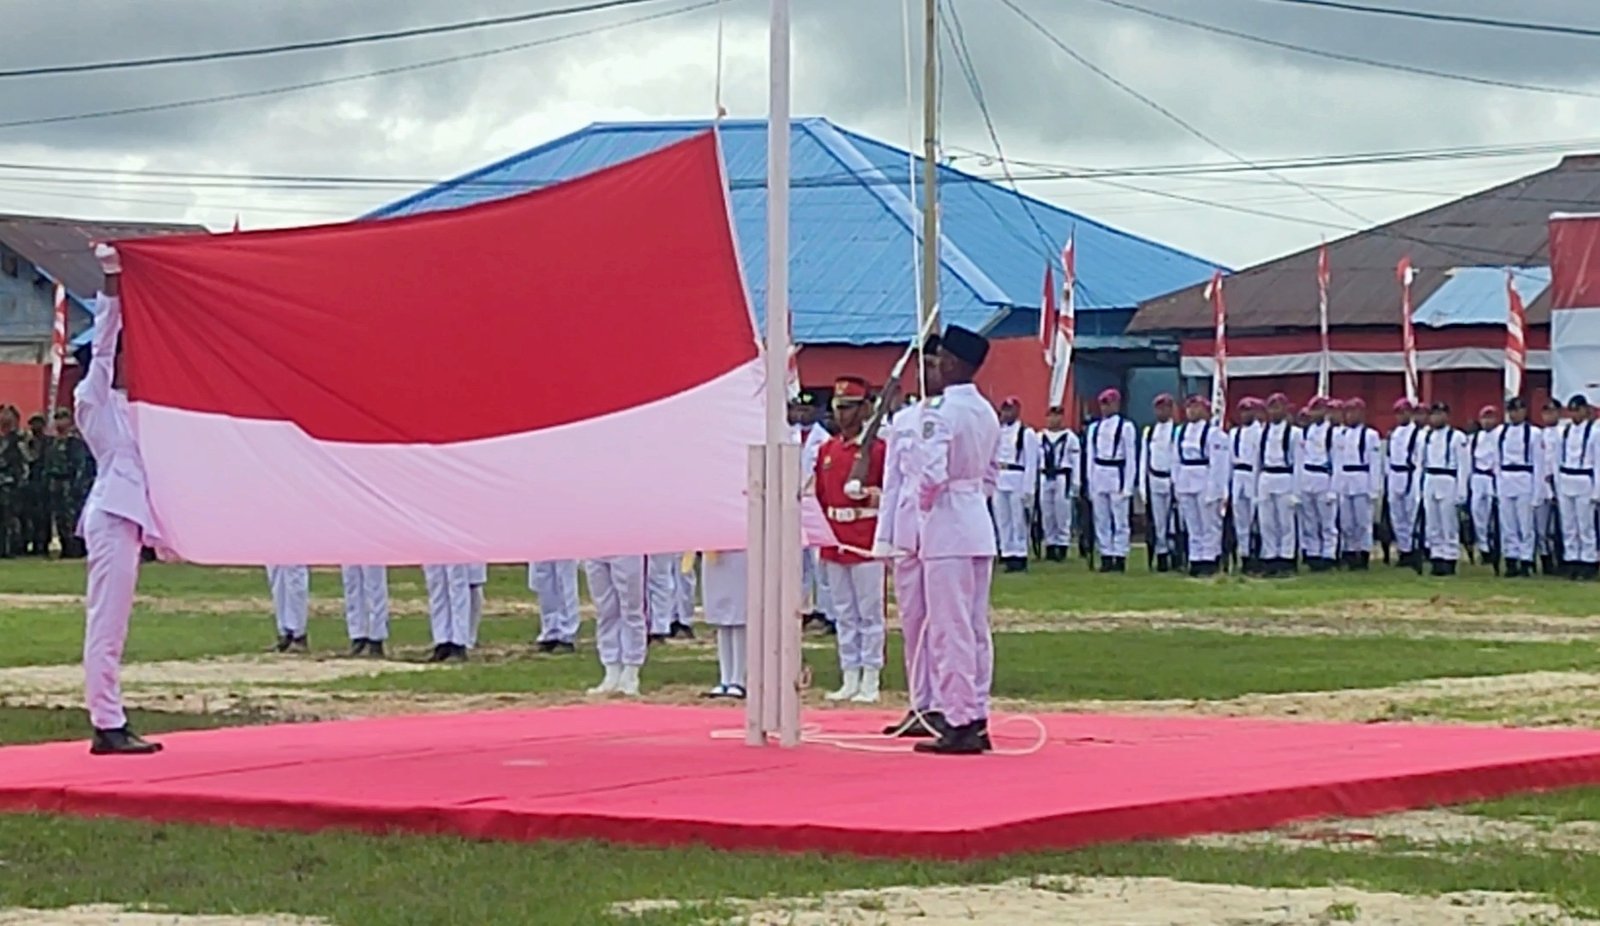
64 508
10 522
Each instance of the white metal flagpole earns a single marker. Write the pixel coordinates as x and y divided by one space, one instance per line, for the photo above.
773 702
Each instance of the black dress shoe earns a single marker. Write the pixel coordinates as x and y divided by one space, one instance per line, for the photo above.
284 642
358 646
455 653
441 652
563 648
1163 563
682 631
299 645
374 649
654 638
545 646
970 739
121 742
927 725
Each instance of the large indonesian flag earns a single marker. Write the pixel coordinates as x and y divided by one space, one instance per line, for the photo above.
567 373
1575 306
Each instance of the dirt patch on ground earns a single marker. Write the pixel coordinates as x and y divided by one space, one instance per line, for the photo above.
1135 902
322 607
1543 698
1425 828
100 915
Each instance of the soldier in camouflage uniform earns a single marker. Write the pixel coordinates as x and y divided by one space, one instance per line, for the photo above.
36 494
13 474
69 474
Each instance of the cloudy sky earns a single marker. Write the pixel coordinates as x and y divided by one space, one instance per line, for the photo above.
1050 113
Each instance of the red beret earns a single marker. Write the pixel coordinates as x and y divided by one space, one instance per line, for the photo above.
1011 401
1317 404
1357 403
1402 405
850 388
1277 398
1163 399
1488 411
1110 395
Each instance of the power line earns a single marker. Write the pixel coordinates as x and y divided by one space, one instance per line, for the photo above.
1344 57
1164 111
349 78
1455 18
342 42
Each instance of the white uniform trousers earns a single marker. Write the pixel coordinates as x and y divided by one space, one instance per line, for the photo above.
857 592
1444 528
1518 532
661 591
1483 499
1577 528
727 600
555 582
366 602
291 597
1403 519
449 604
959 641
1161 514
1319 524
1244 523
114 545
1010 523
1112 530
1203 521
1056 510
477 582
617 585
813 582
1275 513
687 582
911 601
1355 523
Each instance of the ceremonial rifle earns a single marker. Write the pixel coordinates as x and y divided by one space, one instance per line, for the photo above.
1420 525
1494 534
1385 524
880 412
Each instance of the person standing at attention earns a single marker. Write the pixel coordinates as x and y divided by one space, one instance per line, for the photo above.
960 434
117 521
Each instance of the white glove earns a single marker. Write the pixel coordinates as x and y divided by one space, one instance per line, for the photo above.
881 550
853 489
1331 497
110 260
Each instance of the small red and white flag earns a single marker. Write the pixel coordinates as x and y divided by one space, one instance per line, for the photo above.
58 347
1049 317
1064 331
1219 375
1325 361
1516 337
1408 333
356 405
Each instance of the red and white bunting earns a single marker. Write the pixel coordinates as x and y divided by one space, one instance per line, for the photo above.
1064 332
1219 377
1408 334
58 346
1325 365
1516 337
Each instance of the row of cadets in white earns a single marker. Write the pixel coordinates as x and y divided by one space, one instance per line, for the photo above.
1158 460
1358 483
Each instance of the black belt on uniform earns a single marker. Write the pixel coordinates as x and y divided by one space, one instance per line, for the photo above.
1117 463
1318 468
1482 472
1056 473
1402 469
1013 467
1201 462
1515 468
1278 470
1440 471
1160 473
1243 468
1575 471
1357 468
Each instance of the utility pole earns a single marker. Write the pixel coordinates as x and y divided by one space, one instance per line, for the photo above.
930 166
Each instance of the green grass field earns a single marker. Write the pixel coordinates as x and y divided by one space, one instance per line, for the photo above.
1061 652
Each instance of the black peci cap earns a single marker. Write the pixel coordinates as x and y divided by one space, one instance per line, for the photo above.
965 345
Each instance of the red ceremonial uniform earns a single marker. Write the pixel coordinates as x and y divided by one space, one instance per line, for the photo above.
854 520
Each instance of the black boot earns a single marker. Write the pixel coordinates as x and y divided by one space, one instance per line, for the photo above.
1163 562
970 739
374 649
121 742
1437 566
358 646
441 652
1547 565
1121 564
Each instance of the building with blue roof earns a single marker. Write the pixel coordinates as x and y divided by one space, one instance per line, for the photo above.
854 239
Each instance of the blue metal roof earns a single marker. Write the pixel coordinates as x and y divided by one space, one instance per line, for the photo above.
854 229
1477 296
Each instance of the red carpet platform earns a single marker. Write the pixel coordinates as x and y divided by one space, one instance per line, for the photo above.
654 775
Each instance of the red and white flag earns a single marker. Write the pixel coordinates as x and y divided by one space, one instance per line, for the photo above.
1048 317
1575 306
1064 333
1325 361
58 347
327 395
1408 334
1516 337
1219 374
